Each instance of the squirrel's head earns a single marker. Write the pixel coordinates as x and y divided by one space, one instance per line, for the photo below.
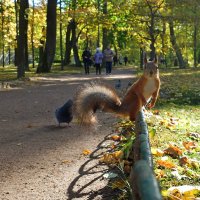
151 68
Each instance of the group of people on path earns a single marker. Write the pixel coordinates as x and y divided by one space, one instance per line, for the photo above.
98 57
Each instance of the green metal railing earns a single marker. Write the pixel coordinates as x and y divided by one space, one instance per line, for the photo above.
142 179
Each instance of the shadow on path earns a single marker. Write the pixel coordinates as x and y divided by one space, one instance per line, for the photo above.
80 188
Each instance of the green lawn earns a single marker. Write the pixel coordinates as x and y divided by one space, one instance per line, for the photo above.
174 129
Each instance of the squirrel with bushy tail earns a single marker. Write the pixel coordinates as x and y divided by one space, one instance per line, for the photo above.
95 96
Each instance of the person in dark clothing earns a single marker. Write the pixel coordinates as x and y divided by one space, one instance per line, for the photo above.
86 60
125 60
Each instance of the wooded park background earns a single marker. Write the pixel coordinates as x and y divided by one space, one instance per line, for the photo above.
37 34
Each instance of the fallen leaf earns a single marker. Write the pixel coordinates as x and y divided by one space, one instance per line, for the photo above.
184 192
163 122
119 184
108 159
159 173
118 154
66 161
184 161
192 134
156 112
189 145
111 158
116 137
173 151
166 164
152 132
157 152
86 152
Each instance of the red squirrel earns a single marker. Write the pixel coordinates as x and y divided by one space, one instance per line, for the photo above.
92 96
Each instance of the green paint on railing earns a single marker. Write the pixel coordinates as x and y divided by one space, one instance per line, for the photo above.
146 183
143 181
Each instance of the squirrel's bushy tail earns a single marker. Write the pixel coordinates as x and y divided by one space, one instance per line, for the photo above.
92 96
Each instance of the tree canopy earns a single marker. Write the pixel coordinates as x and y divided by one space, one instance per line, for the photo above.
164 27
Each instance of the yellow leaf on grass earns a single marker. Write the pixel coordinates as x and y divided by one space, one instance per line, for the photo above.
86 152
184 192
164 193
157 152
163 122
159 173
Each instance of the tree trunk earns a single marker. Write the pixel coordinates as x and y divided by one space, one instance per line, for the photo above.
32 36
26 50
22 39
3 45
61 46
9 55
26 38
195 44
17 32
74 44
162 35
98 28
68 45
175 45
153 40
50 47
105 31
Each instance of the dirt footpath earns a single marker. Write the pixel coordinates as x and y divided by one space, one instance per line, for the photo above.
40 160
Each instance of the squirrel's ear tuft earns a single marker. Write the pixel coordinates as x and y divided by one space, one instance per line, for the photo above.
155 59
145 58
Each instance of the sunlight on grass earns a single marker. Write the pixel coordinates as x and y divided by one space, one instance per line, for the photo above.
176 120
174 130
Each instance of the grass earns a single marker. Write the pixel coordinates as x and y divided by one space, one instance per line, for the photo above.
176 120
174 128
9 73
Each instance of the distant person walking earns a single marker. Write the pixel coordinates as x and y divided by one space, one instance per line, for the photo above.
98 57
86 56
125 60
108 56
